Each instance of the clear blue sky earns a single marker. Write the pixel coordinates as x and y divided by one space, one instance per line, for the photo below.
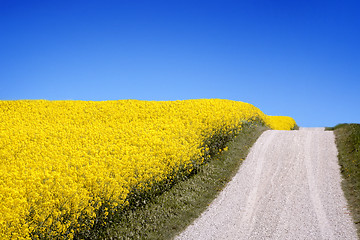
295 58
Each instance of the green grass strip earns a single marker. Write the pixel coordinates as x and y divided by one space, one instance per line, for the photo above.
348 144
165 215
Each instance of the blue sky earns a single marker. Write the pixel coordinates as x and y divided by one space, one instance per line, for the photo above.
295 58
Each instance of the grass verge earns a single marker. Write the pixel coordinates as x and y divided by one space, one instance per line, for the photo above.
167 214
348 144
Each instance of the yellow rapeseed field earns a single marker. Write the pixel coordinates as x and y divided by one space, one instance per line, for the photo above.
62 161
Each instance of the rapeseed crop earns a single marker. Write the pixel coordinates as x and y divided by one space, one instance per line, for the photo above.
66 164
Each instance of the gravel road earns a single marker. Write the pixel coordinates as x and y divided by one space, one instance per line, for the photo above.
287 188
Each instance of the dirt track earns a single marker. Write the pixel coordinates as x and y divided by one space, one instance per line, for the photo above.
287 188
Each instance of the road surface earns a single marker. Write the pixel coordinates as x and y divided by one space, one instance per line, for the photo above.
289 187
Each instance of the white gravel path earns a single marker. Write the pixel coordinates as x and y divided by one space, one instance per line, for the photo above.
287 188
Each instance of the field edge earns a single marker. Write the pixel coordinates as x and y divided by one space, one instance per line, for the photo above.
169 213
347 138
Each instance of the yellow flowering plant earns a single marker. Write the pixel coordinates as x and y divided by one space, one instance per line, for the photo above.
66 164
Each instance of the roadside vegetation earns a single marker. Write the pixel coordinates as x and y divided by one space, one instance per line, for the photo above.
165 215
348 144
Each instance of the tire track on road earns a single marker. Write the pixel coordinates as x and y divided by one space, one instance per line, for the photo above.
324 226
247 221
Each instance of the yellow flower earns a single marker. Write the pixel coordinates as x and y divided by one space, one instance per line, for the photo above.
60 161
